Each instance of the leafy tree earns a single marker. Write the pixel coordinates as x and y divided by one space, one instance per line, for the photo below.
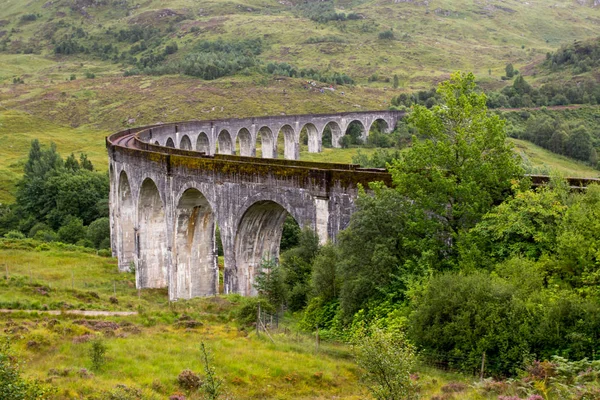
579 144
290 234
387 359
297 269
459 317
72 231
510 70
463 167
524 225
269 283
325 283
382 244
98 231
579 240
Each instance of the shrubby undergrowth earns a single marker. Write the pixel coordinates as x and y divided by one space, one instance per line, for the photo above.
461 254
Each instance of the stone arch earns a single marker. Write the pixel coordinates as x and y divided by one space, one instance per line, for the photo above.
290 150
127 232
202 143
382 123
186 143
336 133
157 143
195 262
257 238
363 131
152 238
170 143
314 140
244 139
267 142
225 143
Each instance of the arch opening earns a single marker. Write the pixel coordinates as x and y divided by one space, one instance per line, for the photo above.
152 238
186 143
195 266
127 233
224 143
355 135
267 143
244 143
157 143
257 239
202 143
378 134
170 143
332 134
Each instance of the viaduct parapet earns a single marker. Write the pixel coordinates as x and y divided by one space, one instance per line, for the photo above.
173 184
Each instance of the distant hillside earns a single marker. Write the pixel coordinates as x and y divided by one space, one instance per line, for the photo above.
369 41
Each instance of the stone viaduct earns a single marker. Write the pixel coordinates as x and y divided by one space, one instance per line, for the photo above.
172 184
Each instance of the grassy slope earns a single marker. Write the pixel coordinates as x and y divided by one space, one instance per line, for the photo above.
148 351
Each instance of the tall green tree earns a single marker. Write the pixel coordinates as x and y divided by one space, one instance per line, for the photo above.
463 165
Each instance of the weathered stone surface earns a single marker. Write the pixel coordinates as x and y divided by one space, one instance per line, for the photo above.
167 199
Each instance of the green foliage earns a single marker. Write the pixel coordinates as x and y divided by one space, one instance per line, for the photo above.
212 384
285 69
269 283
379 247
297 269
14 235
524 225
97 354
209 60
50 191
388 359
12 385
325 283
98 232
510 70
321 11
464 165
246 312
386 35
457 318
580 56
379 159
72 231
290 234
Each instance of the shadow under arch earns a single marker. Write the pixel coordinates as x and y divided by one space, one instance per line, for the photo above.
257 238
225 143
379 125
331 135
202 143
152 238
195 266
357 130
170 143
186 143
127 231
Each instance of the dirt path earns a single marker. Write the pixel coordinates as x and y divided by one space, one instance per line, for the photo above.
90 313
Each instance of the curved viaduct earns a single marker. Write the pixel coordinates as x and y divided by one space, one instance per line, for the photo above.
172 184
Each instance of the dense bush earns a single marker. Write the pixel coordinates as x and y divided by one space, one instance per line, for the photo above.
285 69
